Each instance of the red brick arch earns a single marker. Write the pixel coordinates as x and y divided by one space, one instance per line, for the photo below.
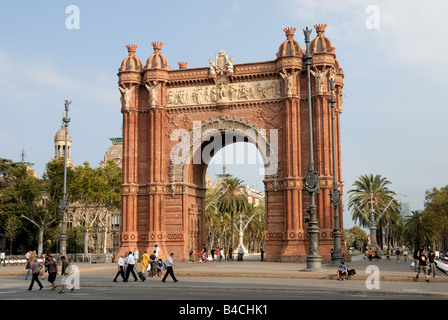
163 191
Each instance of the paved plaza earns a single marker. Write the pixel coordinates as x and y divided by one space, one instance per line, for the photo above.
213 280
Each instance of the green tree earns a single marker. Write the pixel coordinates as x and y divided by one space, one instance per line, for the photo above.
418 229
436 211
96 194
217 228
372 201
13 226
30 193
356 237
232 200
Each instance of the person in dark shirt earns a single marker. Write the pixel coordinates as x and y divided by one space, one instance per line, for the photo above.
432 264
423 263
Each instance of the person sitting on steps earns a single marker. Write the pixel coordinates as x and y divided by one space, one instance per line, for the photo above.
342 270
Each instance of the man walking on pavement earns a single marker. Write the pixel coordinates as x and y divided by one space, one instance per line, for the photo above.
65 273
35 266
432 264
120 271
169 268
130 267
423 263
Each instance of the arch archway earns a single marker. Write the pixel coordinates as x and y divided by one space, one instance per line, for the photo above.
174 119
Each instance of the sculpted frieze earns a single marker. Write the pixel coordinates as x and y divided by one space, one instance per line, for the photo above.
224 92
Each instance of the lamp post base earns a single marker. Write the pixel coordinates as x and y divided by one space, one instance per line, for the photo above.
313 264
336 259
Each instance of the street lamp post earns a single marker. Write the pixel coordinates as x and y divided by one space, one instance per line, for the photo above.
311 180
335 195
63 204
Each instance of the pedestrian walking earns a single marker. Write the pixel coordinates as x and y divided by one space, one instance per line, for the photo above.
405 254
240 253
28 264
126 254
65 273
35 266
130 267
152 264
120 271
415 256
3 259
46 263
377 254
191 256
388 254
52 272
262 254
136 255
145 262
423 263
432 264
370 254
169 268
398 253
231 253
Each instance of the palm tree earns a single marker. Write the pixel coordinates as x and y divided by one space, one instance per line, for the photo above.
371 201
232 199
395 228
216 226
418 229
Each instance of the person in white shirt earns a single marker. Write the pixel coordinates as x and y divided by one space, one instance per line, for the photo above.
135 254
120 268
2 259
130 267
156 251
169 268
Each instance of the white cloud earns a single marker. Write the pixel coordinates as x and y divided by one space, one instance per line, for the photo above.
26 81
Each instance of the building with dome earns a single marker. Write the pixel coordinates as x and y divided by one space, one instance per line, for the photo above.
59 146
114 152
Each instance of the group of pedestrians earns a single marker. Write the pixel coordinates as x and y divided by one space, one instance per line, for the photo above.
50 266
425 262
151 265
377 254
220 254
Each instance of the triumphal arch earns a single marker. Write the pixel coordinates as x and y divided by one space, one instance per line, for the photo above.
175 120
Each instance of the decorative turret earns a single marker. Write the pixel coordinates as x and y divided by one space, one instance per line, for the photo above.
157 60
182 64
130 70
289 55
131 62
289 47
321 44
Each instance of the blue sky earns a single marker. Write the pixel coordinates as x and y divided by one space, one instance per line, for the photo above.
394 113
